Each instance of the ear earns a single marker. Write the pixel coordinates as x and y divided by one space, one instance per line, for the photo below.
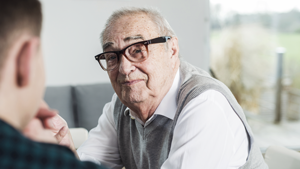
25 56
174 47
173 51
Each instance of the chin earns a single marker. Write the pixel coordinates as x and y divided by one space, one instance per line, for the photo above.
133 97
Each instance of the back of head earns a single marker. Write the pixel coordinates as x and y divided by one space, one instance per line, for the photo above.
163 27
17 17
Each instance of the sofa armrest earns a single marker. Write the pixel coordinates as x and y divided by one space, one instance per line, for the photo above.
79 135
278 157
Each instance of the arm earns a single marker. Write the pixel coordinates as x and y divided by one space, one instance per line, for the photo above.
101 145
208 134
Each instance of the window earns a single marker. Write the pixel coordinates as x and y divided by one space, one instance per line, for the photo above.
247 38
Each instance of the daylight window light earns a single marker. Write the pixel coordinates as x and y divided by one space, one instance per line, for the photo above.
280 50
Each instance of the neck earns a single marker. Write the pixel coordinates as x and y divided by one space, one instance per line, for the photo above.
144 110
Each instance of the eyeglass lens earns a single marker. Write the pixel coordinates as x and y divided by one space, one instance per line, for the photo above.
135 53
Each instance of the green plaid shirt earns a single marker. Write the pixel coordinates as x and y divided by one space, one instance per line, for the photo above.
18 152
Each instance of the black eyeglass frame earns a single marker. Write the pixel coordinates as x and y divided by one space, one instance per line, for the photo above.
161 39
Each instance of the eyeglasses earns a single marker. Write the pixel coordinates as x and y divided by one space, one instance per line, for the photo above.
136 52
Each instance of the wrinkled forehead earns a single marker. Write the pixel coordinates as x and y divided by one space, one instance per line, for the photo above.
128 29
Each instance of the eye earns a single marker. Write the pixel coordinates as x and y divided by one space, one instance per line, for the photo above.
110 57
137 51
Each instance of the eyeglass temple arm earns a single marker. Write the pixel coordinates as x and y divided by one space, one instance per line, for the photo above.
159 40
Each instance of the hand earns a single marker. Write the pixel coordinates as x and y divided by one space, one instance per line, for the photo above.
60 130
36 131
49 127
48 121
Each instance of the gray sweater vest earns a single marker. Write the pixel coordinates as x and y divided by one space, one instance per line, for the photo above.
148 147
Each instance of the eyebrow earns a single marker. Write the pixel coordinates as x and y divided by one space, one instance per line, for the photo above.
107 45
139 36
135 37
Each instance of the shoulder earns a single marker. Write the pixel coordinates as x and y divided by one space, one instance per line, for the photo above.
197 86
110 106
108 111
56 156
194 77
19 149
209 104
210 112
50 151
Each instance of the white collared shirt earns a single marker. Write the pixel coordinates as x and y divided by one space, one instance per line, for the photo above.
208 133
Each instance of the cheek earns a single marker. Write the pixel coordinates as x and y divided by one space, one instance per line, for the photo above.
159 74
113 76
41 78
42 72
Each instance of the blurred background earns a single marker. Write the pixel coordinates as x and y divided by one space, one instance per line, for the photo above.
255 51
253 46
71 35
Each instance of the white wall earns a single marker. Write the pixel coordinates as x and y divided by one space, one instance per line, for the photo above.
71 32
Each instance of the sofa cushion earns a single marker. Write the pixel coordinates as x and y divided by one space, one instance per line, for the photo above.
60 98
90 100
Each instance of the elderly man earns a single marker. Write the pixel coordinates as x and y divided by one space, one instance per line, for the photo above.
166 113
21 91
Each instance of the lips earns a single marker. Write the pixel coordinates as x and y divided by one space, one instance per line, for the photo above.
131 82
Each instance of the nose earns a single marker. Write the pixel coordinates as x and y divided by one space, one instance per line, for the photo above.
125 66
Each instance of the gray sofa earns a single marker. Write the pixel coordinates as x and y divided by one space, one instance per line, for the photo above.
79 105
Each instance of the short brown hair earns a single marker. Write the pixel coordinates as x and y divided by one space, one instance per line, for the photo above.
17 16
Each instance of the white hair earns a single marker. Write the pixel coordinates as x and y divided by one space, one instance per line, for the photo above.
164 28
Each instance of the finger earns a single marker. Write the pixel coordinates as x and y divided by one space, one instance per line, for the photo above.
47 137
49 124
35 131
44 113
61 134
55 123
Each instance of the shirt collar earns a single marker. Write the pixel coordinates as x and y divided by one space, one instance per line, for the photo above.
168 105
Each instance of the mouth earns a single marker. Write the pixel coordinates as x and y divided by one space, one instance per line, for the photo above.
131 82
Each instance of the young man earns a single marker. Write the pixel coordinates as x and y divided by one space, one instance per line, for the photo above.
22 82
